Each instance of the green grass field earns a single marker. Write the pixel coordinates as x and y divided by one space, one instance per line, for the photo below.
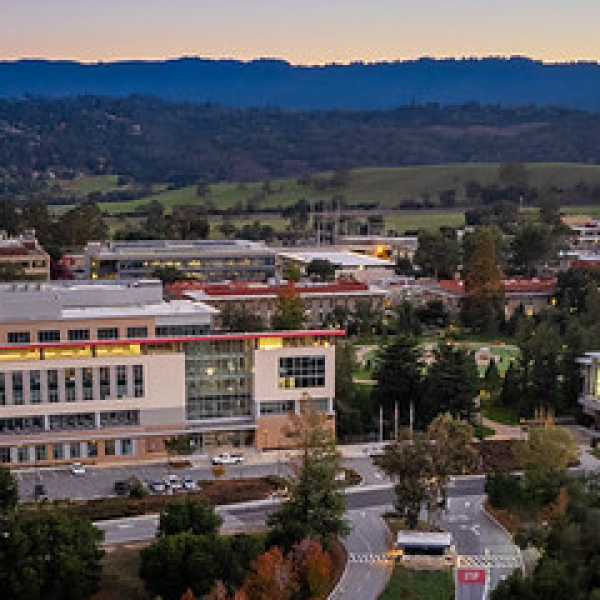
386 186
419 585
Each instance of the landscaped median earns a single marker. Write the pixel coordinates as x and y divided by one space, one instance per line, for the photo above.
419 585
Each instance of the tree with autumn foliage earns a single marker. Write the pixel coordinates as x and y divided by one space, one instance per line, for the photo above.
483 305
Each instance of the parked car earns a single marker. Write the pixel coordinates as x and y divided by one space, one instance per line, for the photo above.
77 468
227 459
174 483
189 483
121 488
157 486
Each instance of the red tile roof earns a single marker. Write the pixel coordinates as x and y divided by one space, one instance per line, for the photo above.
179 288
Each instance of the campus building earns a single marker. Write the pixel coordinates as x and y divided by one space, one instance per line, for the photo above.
205 260
25 252
532 295
321 300
100 371
589 399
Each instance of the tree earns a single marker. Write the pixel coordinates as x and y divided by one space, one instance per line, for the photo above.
548 448
483 305
82 224
492 380
514 175
292 272
316 504
290 313
195 516
363 319
320 269
49 555
9 491
531 246
399 377
409 463
437 255
234 318
12 272
405 320
169 274
452 384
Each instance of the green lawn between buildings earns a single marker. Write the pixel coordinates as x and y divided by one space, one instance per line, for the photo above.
419 585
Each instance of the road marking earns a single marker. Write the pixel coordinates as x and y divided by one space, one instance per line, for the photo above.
125 525
372 559
497 561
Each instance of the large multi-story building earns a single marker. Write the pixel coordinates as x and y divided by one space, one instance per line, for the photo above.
320 299
107 371
205 260
589 399
26 254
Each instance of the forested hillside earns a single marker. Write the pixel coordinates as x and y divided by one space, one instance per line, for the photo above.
149 140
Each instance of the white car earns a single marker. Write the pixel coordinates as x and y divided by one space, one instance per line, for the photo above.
189 483
77 469
227 459
174 483
157 486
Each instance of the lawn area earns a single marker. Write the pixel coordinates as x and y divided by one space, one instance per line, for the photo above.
500 414
388 186
120 579
481 431
419 585
412 220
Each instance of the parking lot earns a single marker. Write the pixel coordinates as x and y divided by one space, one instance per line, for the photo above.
99 482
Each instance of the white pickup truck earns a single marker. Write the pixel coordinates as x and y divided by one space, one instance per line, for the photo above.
227 459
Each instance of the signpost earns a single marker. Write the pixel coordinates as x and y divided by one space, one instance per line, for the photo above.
471 576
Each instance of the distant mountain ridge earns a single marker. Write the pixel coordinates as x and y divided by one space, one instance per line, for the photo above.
266 82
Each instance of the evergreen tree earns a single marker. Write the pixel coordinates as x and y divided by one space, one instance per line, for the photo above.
9 491
452 384
399 377
316 505
290 313
492 380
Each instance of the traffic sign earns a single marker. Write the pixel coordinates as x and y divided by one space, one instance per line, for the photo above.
471 576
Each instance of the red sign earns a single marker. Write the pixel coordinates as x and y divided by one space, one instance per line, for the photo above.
471 576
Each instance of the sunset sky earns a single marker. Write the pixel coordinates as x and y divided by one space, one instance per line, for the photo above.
305 31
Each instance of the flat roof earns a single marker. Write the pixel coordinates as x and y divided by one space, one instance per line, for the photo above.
163 309
342 259
424 539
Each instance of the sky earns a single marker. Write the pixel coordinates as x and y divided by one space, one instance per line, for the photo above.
300 31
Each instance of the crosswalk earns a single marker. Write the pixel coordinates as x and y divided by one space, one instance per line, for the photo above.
369 558
498 561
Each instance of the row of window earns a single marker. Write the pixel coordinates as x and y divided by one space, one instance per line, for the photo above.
301 372
218 406
71 384
47 336
70 422
68 451
282 407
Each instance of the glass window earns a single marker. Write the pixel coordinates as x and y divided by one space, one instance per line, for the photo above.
137 332
35 392
58 452
301 372
119 418
2 390
5 455
92 449
108 333
104 383
109 447
23 454
40 453
121 381
72 421
75 450
277 408
21 425
17 387
19 337
52 377
87 382
48 335
70 392
76 335
126 447
138 380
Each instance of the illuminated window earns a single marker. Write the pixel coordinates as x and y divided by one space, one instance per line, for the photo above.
269 343
301 372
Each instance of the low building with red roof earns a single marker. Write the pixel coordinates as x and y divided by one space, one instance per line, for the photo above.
321 299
